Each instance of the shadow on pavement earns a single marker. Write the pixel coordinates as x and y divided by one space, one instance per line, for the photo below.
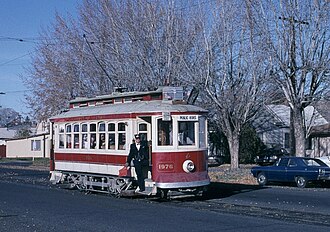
218 190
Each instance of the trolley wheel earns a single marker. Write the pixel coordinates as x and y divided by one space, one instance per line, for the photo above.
163 194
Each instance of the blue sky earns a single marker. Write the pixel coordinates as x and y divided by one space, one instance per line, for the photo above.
23 19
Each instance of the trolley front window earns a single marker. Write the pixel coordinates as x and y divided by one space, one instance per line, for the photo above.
186 135
165 132
202 134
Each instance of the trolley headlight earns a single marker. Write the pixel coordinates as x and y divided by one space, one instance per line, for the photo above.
188 166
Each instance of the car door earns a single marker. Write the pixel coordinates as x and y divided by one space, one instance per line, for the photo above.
278 171
292 170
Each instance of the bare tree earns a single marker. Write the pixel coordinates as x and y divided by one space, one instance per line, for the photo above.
135 44
234 69
297 38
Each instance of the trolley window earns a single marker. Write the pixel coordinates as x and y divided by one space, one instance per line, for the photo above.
102 126
92 128
68 137
61 141
68 128
84 142
111 136
76 136
202 135
61 130
101 135
164 132
143 131
84 137
121 136
186 134
84 127
76 128
61 136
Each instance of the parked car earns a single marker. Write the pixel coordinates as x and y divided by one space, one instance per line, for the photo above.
214 160
270 156
293 169
325 159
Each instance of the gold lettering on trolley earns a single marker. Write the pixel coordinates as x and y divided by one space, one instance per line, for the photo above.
165 166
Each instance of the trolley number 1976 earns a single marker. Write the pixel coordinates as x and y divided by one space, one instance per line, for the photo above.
165 166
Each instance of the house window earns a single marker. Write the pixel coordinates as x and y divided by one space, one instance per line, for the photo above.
35 145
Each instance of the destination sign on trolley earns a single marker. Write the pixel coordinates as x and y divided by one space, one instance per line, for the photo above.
188 118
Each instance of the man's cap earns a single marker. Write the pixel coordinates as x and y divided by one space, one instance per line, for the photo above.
137 136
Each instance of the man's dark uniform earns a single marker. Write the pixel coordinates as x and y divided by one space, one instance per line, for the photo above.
140 159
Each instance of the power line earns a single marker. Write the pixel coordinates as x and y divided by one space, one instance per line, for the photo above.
15 91
17 58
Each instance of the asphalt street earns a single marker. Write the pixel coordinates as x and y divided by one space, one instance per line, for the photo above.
29 203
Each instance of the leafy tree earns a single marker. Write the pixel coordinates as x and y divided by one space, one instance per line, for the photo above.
23 133
250 145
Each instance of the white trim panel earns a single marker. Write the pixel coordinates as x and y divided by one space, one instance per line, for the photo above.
90 168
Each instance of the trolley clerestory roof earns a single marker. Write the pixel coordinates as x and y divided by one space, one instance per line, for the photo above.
137 107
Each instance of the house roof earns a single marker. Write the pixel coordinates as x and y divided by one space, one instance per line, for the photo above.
7 134
323 107
278 116
281 113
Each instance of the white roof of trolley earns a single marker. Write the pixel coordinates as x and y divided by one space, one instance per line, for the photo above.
137 107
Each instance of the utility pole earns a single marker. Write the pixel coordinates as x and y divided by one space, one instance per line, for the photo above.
1 93
293 81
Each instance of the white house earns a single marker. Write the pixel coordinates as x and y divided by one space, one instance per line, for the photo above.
37 145
273 127
5 134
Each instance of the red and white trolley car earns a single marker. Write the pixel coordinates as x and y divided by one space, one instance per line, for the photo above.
91 142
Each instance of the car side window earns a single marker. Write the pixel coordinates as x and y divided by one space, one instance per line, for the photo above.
292 163
283 162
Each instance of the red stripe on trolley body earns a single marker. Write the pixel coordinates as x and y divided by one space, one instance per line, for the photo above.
95 117
91 158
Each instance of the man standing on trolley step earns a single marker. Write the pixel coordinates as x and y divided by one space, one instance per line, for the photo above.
139 153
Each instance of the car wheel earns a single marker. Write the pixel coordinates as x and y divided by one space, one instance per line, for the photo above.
262 179
301 181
